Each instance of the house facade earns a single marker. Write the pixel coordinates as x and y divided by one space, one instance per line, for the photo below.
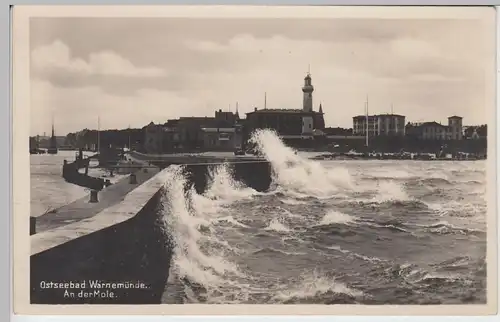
436 131
379 125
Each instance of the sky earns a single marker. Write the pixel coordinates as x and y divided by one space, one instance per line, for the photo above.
131 71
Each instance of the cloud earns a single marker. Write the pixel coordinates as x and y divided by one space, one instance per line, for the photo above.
436 78
400 58
426 68
57 57
414 48
78 108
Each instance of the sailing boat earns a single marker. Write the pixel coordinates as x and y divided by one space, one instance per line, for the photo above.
53 142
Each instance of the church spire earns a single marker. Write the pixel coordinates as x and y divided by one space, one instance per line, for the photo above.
53 132
320 108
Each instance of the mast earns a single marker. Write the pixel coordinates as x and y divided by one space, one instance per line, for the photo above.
98 134
129 145
367 126
265 100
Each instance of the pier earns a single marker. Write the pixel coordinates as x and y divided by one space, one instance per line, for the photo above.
119 242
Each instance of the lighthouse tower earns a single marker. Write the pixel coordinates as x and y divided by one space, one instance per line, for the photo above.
307 120
307 89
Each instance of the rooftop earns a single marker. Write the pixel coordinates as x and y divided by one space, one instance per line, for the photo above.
390 114
378 115
194 118
431 123
204 121
280 111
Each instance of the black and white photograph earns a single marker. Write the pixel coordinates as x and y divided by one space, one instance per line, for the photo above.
288 160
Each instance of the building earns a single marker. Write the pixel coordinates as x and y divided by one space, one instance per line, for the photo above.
360 127
286 122
307 106
190 128
475 135
428 131
319 119
436 131
161 138
44 142
455 127
152 140
379 125
34 146
222 138
171 140
475 132
228 116
194 133
289 122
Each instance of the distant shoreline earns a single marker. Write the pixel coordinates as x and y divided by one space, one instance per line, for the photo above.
323 156
328 157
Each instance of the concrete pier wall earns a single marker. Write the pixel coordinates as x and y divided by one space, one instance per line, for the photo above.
254 174
132 251
126 243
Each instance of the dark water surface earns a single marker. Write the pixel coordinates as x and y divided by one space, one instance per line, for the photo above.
370 232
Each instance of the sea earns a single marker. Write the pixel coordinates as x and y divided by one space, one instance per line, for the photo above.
326 232
48 190
331 232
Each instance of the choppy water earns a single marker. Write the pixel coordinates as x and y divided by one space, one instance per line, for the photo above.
372 232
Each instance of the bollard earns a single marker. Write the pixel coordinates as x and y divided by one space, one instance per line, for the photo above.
132 179
32 225
93 196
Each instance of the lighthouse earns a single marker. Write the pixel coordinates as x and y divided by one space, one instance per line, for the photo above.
307 105
307 90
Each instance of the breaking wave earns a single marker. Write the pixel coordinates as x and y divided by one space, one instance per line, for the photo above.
322 234
335 217
293 172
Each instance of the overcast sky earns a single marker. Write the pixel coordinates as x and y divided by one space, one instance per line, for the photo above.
137 70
